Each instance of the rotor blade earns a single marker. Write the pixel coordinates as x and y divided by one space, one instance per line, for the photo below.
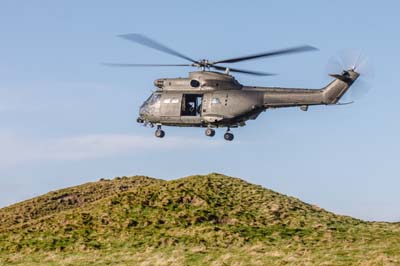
143 65
250 72
334 66
353 59
297 49
360 88
146 41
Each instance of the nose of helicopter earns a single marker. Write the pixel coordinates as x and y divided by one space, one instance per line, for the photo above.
143 110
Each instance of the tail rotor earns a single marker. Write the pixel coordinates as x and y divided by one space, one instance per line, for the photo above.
355 61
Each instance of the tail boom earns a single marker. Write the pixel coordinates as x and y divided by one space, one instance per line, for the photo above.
289 97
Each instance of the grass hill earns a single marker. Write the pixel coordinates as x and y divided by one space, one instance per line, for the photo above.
197 220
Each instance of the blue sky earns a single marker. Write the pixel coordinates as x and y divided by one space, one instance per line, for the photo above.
66 119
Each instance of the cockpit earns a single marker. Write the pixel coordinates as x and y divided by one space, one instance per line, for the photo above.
149 103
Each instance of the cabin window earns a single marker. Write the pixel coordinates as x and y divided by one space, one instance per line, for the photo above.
215 101
168 100
175 100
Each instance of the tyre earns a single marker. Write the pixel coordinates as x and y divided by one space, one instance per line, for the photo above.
159 133
228 136
210 132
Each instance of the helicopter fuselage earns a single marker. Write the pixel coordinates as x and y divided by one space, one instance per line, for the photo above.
213 99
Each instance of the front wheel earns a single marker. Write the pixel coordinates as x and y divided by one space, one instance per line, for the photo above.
159 133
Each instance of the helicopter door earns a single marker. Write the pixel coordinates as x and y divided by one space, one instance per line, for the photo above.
170 104
191 104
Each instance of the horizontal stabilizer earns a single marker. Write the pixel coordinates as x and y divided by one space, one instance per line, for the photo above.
341 77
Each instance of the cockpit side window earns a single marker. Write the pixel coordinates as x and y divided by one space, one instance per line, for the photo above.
155 98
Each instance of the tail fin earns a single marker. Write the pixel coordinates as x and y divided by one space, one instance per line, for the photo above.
337 88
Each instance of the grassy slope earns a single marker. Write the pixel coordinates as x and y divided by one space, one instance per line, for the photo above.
195 220
68 198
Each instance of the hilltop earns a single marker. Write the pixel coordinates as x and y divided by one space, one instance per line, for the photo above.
189 221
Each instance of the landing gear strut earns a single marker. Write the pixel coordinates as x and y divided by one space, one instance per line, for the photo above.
228 136
210 132
159 132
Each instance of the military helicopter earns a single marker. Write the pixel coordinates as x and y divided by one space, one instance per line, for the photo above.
212 99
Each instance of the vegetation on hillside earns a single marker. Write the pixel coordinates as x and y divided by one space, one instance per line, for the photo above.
68 198
190 221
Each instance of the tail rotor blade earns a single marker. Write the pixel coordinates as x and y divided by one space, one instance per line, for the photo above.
334 66
350 59
365 67
360 88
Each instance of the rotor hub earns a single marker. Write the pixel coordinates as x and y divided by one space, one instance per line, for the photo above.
205 63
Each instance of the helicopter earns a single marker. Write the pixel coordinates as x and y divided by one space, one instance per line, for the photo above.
215 99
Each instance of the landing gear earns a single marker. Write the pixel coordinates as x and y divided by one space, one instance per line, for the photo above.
210 132
159 132
228 136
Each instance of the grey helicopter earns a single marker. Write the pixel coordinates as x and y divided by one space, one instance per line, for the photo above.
215 99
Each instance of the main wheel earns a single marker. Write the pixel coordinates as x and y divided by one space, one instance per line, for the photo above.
228 136
159 133
210 132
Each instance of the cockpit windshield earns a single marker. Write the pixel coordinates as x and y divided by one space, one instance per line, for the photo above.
154 98
148 99
149 103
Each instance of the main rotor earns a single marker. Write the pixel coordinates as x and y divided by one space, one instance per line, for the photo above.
206 64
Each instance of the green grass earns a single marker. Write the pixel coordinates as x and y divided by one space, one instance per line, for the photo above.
197 220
